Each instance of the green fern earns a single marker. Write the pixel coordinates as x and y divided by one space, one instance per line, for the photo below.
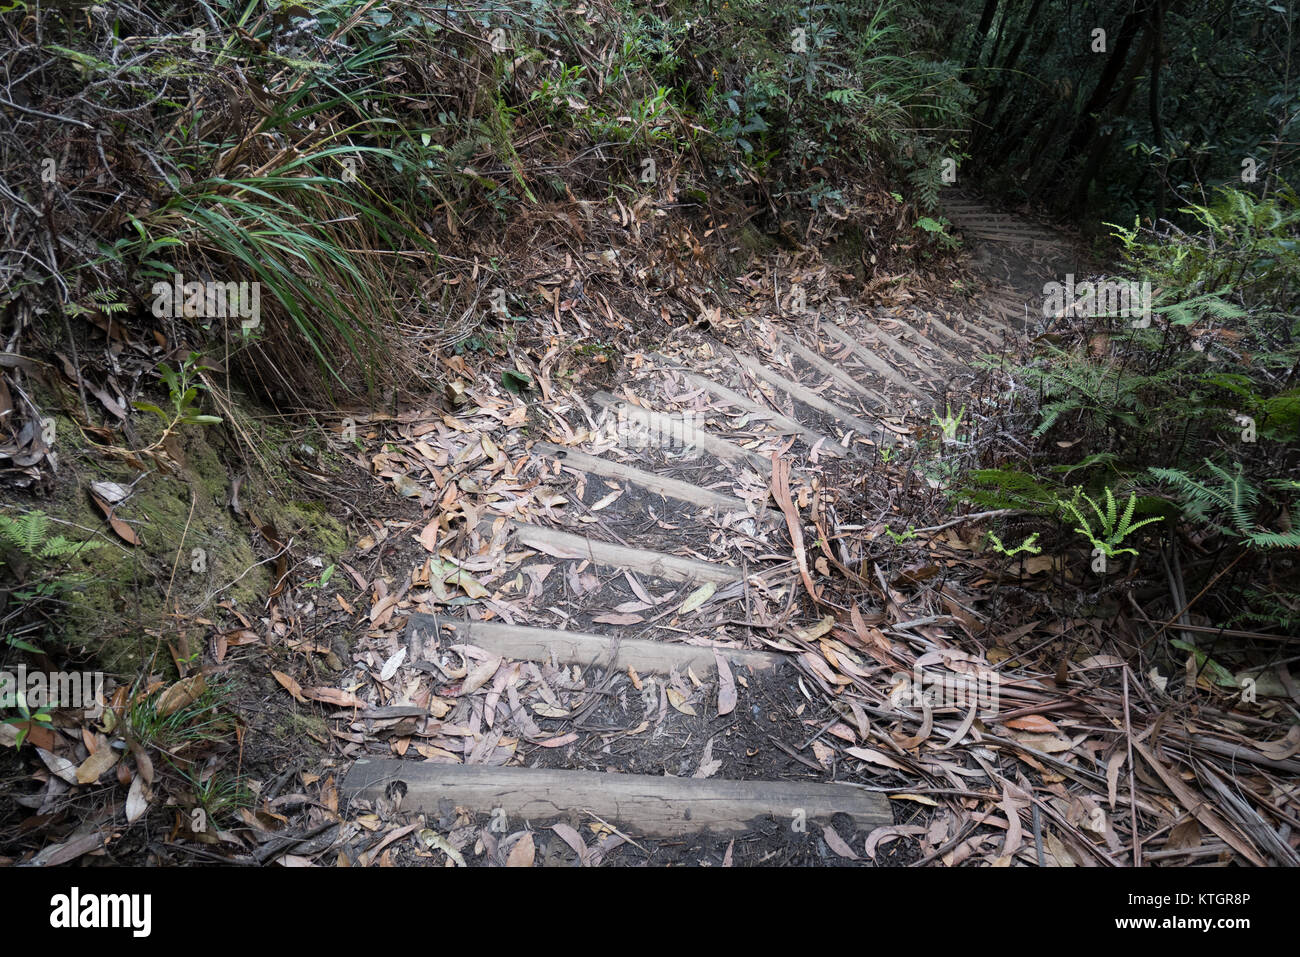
1008 488
1028 545
1114 527
29 533
1232 496
1099 391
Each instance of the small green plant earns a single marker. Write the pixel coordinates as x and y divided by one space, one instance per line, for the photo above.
220 794
900 537
321 582
936 229
37 581
949 424
25 715
1028 545
1113 529
183 390
171 728
30 534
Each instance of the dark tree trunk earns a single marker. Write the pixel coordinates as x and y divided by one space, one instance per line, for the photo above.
1004 77
981 34
1086 125
1101 145
1153 102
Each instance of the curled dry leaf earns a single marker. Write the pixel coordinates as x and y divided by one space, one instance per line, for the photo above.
137 800
123 530
523 853
290 685
678 701
182 694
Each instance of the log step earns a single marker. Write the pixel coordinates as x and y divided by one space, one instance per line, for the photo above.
623 557
783 422
642 804
675 427
814 401
661 485
879 365
827 368
520 642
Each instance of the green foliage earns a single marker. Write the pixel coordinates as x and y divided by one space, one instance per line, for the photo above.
183 391
1008 488
1231 496
899 538
1112 528
1028 545
30 534
949 424
1099 394
1140 125
25 716
1216 368
39 576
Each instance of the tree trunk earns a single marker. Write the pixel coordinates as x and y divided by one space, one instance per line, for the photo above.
981 34
1101 146
1086 125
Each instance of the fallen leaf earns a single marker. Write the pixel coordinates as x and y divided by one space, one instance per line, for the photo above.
137 800
95 765
698 597
837 843
289 685
607 500
334 696
182 693
616 619
480 674
523 853
61 767
433 839
574 840
1033 722
918 798
678 701
123 530
726 686
392 664
558 742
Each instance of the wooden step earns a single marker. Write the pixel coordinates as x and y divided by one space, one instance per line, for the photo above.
874 361
523 643
815 401
784 422
668 567
660 485
675 425
904 331
984 334
826 368
951 335
641 804
875 329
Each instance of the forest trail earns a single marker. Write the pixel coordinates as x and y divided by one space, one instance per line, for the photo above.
658 626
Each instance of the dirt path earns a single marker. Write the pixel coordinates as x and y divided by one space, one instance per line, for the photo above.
639 662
